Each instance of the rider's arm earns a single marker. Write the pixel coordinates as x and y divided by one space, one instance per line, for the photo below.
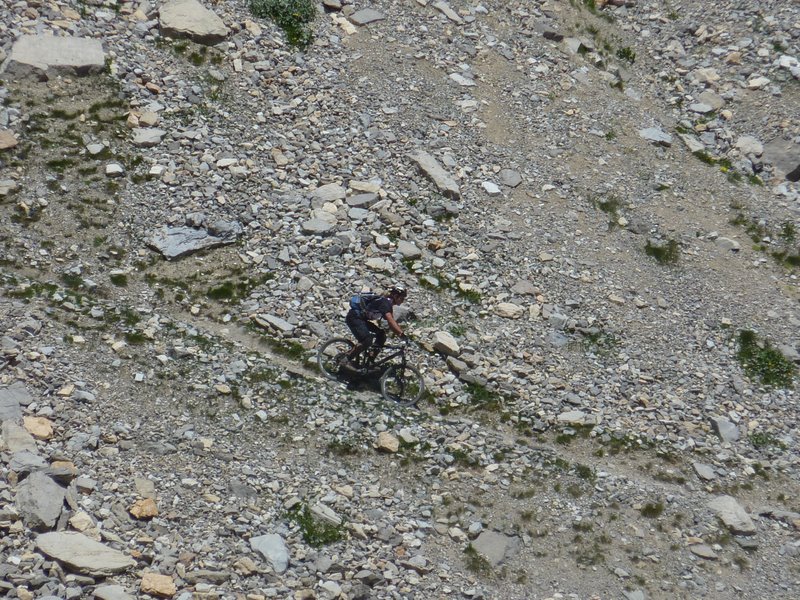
393 324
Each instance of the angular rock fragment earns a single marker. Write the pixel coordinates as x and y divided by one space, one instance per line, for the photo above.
366 16
272 547
494 547
82 554
156 584
46 56
434 171
446 344
190 19
733 515
174 242
656 136
39 500
12 397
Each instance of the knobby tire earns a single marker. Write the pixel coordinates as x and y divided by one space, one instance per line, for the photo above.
402 385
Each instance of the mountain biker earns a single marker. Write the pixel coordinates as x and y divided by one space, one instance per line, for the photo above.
362 322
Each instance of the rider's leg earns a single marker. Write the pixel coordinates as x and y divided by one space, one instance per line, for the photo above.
380 339
361 331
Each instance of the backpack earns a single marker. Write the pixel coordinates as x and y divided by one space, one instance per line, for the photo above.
359 303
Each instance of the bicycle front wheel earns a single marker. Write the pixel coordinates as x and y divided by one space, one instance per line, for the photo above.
331 355
403 385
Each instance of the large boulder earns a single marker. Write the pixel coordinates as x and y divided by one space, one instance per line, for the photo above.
190 19
82 554
45 56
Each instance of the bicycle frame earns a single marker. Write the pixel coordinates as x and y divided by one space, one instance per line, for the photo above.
378 364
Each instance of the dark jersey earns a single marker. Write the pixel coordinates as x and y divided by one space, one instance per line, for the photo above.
378 308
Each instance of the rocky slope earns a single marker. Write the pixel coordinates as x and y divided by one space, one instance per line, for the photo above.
590 202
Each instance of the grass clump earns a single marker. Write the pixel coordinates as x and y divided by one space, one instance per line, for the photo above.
763 362
475 562
651 510
763 439
293 16
665 254
626 54
316 532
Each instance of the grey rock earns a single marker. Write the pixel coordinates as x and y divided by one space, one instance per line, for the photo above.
366 16
447 11
39 500
634 595
25 461
436 173
703 551
656 136
362 200
112 592
12 398
445 343
15 438
494 547
147 137
408 249
7 186
509 177
318 226
174 242
728 244
272 547
82 554
330 192
46 56
733 515
784 156
705 472
727 431
190 19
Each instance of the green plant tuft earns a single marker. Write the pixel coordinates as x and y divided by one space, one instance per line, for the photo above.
293 16
316 533
665 254
763 362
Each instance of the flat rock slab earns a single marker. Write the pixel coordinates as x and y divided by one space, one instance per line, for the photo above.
190 19
656 136
174 242
272 547
12 398
82 554
366 16
7 139
436 173
14 438
147 137
45 56
733 515
39 500
493 546
112 592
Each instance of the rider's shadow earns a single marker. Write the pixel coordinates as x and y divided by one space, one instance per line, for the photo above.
364 383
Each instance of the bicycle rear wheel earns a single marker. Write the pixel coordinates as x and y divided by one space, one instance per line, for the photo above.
403 385
331 355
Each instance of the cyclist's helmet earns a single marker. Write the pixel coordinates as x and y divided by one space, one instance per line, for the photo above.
398 290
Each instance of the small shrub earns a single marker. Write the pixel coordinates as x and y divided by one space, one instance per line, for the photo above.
763 362
665 254
119 279
475 562
705 157
626 54
293 16
651 510
762 439
316 533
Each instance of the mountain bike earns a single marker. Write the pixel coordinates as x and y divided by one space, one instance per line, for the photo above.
399 381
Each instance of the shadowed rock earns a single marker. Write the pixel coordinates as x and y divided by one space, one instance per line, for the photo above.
45 56
190 19
82 554
174 242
